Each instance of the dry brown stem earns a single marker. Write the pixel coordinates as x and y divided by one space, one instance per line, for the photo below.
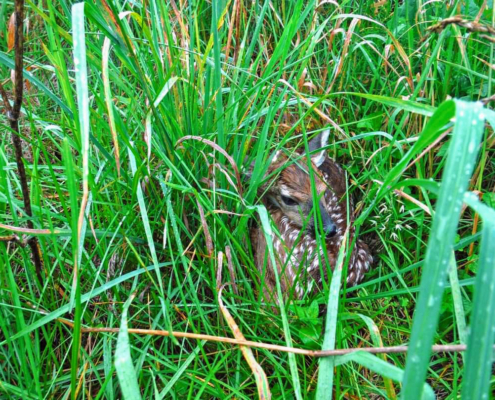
13 115
438 348
471 26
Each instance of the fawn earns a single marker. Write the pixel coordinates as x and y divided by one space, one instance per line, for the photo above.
288 198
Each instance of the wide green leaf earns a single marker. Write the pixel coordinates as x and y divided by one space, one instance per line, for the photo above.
461 159
480 355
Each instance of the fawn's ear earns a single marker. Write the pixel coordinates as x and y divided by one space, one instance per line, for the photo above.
274 158
247 171
318 142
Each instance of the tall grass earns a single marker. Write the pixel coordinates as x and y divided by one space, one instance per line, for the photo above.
249 77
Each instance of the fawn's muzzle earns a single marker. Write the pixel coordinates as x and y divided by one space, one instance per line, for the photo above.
329 227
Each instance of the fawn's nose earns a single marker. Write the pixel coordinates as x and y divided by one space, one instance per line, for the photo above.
330 230
329 227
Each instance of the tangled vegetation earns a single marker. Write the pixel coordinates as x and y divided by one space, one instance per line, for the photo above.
137 122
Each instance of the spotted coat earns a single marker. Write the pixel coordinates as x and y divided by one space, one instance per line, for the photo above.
300 262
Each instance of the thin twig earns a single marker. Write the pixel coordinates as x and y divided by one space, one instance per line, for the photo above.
32 231
438 348
13 114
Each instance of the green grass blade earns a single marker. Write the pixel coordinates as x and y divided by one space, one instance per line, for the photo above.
253 77
406 105
217 72
438 121
324 389
479 356
123 360
79 38
181 370
9 63
460 315
460 163
149 236
108 100
267 231
13 390
382 368
377 342
72 187
84 299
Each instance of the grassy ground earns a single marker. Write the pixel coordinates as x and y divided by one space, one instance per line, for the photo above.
266 76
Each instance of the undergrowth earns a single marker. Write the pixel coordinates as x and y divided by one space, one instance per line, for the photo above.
165 207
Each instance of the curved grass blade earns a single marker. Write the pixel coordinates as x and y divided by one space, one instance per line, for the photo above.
459 167
439 120
163 92
382 368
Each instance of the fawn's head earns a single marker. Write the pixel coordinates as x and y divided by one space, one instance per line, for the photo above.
288 188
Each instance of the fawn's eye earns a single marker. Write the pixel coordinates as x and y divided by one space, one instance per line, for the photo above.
289 201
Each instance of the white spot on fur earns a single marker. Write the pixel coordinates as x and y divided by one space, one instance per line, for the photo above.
285 191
